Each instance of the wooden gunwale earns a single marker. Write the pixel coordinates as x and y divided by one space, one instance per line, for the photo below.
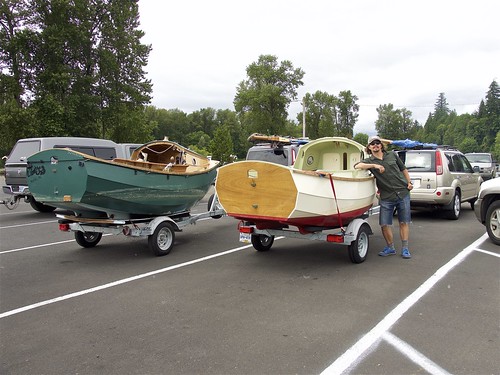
335 177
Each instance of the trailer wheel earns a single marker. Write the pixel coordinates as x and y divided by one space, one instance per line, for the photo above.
358 249
87 239
162 239
210 201
261 242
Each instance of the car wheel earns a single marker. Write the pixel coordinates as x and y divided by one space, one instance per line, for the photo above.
40 207
492 222
453 210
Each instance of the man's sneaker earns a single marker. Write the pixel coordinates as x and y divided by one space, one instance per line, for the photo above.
387 251
405 254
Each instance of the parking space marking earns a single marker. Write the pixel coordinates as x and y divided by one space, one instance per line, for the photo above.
120 282
43 245
413 354
356 353
28 224
488 252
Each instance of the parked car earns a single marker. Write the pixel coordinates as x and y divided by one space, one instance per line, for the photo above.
442 179
483 160
283 153
16 184
487 208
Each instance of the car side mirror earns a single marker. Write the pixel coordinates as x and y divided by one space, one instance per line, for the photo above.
475 169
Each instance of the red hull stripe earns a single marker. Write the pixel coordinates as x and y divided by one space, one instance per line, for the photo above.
330 221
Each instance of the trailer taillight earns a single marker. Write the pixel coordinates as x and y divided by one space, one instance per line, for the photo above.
244 229
64 227
338 238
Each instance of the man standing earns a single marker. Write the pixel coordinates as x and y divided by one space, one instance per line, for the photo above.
394 185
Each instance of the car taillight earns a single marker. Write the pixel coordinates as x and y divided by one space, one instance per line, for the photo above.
439 163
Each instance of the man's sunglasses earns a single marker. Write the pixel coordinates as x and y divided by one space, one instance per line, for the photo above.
375 143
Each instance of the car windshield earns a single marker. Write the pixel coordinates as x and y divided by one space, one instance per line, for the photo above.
416 161
479 158
23 150
272 155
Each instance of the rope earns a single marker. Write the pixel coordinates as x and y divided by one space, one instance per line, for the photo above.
336 203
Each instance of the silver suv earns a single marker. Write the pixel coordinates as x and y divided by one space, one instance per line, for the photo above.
483 160
442 179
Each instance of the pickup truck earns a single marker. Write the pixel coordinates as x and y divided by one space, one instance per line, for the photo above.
16 184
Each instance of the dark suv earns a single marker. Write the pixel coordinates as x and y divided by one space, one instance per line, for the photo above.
279 152
442 179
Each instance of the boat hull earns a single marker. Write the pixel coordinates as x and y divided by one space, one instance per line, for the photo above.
93 187
275 196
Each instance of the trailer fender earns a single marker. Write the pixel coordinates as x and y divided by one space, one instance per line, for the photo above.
160 219
353 228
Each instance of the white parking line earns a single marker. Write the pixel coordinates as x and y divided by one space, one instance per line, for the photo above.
28 224
118 282
356 353
413 354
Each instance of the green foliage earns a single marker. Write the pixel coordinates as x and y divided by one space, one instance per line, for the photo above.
262 100
221 146
468 144
75 67
361 138
395 123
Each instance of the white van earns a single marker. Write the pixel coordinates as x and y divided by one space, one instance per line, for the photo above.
16 184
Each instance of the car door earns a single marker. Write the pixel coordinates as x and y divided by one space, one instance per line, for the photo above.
464 172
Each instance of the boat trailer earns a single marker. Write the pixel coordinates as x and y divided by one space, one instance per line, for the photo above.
160 230
355 236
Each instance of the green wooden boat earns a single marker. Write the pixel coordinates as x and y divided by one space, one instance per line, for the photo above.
161 178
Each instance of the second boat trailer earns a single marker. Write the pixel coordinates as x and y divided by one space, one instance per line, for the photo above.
355 236
160 230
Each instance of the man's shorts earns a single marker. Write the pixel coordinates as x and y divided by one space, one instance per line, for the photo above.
402 207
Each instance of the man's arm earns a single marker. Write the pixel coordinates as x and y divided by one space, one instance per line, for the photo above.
408 179
362 165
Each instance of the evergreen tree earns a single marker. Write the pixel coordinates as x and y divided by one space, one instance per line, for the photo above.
221 146
347 113
123 88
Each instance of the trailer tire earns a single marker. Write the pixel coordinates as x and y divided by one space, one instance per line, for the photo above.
358 249
262 242
209 205
87 239
162 239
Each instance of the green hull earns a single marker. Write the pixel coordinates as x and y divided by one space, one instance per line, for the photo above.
93 187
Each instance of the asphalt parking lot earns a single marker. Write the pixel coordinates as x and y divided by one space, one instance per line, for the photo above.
216 306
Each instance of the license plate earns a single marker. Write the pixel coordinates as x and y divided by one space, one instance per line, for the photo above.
245 237
415 183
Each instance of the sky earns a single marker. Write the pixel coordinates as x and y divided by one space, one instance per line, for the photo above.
396 52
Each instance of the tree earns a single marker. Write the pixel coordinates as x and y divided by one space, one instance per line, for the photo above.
262 100
441 107
396 123
222 145
347 114
492 110
123 88
320 112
